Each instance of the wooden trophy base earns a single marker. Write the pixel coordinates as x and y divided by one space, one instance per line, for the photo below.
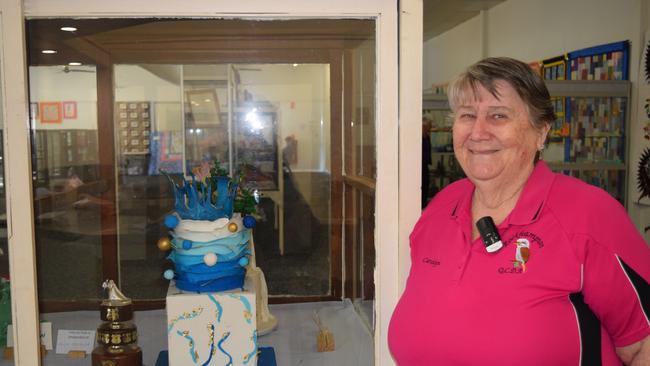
131 356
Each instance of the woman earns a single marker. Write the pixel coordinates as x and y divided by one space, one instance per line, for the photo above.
570 284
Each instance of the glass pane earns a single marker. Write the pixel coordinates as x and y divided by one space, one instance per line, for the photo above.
360 171
67 187
363 108
149 140
206 101
283 115
5 300
169 98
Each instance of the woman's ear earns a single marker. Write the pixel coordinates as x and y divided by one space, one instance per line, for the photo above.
543 133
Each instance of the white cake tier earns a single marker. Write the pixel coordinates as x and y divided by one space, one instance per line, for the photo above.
203 231
212 328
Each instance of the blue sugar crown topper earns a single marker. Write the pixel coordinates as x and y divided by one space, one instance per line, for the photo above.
194 200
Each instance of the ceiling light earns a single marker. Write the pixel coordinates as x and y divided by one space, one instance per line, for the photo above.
74 63
68 29
48 51
295 65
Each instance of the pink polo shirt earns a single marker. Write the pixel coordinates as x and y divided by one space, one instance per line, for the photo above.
569 285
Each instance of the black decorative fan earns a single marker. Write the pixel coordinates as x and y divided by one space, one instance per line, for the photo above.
646 65
643 174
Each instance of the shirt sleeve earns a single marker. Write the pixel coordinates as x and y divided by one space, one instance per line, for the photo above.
616 276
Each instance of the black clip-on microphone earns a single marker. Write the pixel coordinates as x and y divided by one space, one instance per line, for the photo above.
489 234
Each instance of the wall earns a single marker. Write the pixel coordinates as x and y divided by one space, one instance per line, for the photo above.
532 30
52 84
448 54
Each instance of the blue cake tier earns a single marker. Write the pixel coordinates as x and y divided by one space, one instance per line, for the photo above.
193 272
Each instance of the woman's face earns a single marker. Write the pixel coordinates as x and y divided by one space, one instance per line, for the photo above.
494 138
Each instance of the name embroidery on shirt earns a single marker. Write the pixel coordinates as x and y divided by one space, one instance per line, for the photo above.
431 262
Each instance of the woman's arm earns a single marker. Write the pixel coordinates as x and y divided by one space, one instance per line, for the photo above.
636 354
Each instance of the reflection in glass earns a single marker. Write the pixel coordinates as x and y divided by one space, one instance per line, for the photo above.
281 127
297 122
5 303
149 140
66 185
360 175
271 110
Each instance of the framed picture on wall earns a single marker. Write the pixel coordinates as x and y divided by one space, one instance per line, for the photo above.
70 110
204 107
50 112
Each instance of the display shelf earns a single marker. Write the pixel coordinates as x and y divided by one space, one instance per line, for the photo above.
592 130
586 166
435 102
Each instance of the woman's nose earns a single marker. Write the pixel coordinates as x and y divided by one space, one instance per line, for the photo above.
480 129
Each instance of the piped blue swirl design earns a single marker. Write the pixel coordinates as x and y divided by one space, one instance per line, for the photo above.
211 346
218 305
189 338
223 339
249 356
193 314
246 304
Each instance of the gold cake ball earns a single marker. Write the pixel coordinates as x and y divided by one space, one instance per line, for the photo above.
232 227
164 244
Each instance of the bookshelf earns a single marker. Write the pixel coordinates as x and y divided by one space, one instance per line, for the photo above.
444 167
590 139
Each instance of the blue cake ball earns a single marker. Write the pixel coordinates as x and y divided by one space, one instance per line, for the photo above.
171 221
249 221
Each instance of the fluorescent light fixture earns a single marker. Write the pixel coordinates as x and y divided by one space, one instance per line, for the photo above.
295 65
68 29
74 63
48 51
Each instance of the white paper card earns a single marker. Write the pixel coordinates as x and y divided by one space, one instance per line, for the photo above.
46 335
75 340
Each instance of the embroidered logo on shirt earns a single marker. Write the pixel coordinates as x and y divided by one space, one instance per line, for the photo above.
522 254
523 242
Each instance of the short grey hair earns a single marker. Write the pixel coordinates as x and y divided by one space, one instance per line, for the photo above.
527 83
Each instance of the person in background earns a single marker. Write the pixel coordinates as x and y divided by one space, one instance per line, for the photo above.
568 284
426 159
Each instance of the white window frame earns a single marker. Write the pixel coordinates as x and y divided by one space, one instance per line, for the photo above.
397 194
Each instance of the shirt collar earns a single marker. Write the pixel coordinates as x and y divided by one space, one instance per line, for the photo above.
535 192
529 204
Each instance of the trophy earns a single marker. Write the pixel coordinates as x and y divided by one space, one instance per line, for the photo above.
117 336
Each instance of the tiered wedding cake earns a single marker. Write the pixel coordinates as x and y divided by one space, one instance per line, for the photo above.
216 303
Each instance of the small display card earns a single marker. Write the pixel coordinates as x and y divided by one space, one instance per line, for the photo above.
75 340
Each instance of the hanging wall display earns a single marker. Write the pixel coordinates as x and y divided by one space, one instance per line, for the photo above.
133 127
50 112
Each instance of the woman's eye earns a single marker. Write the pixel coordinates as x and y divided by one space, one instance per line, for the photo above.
499 116
466 115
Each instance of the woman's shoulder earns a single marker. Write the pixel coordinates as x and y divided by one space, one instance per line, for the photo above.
584 208
572 192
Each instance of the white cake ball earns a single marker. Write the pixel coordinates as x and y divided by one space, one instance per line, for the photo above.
210 259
